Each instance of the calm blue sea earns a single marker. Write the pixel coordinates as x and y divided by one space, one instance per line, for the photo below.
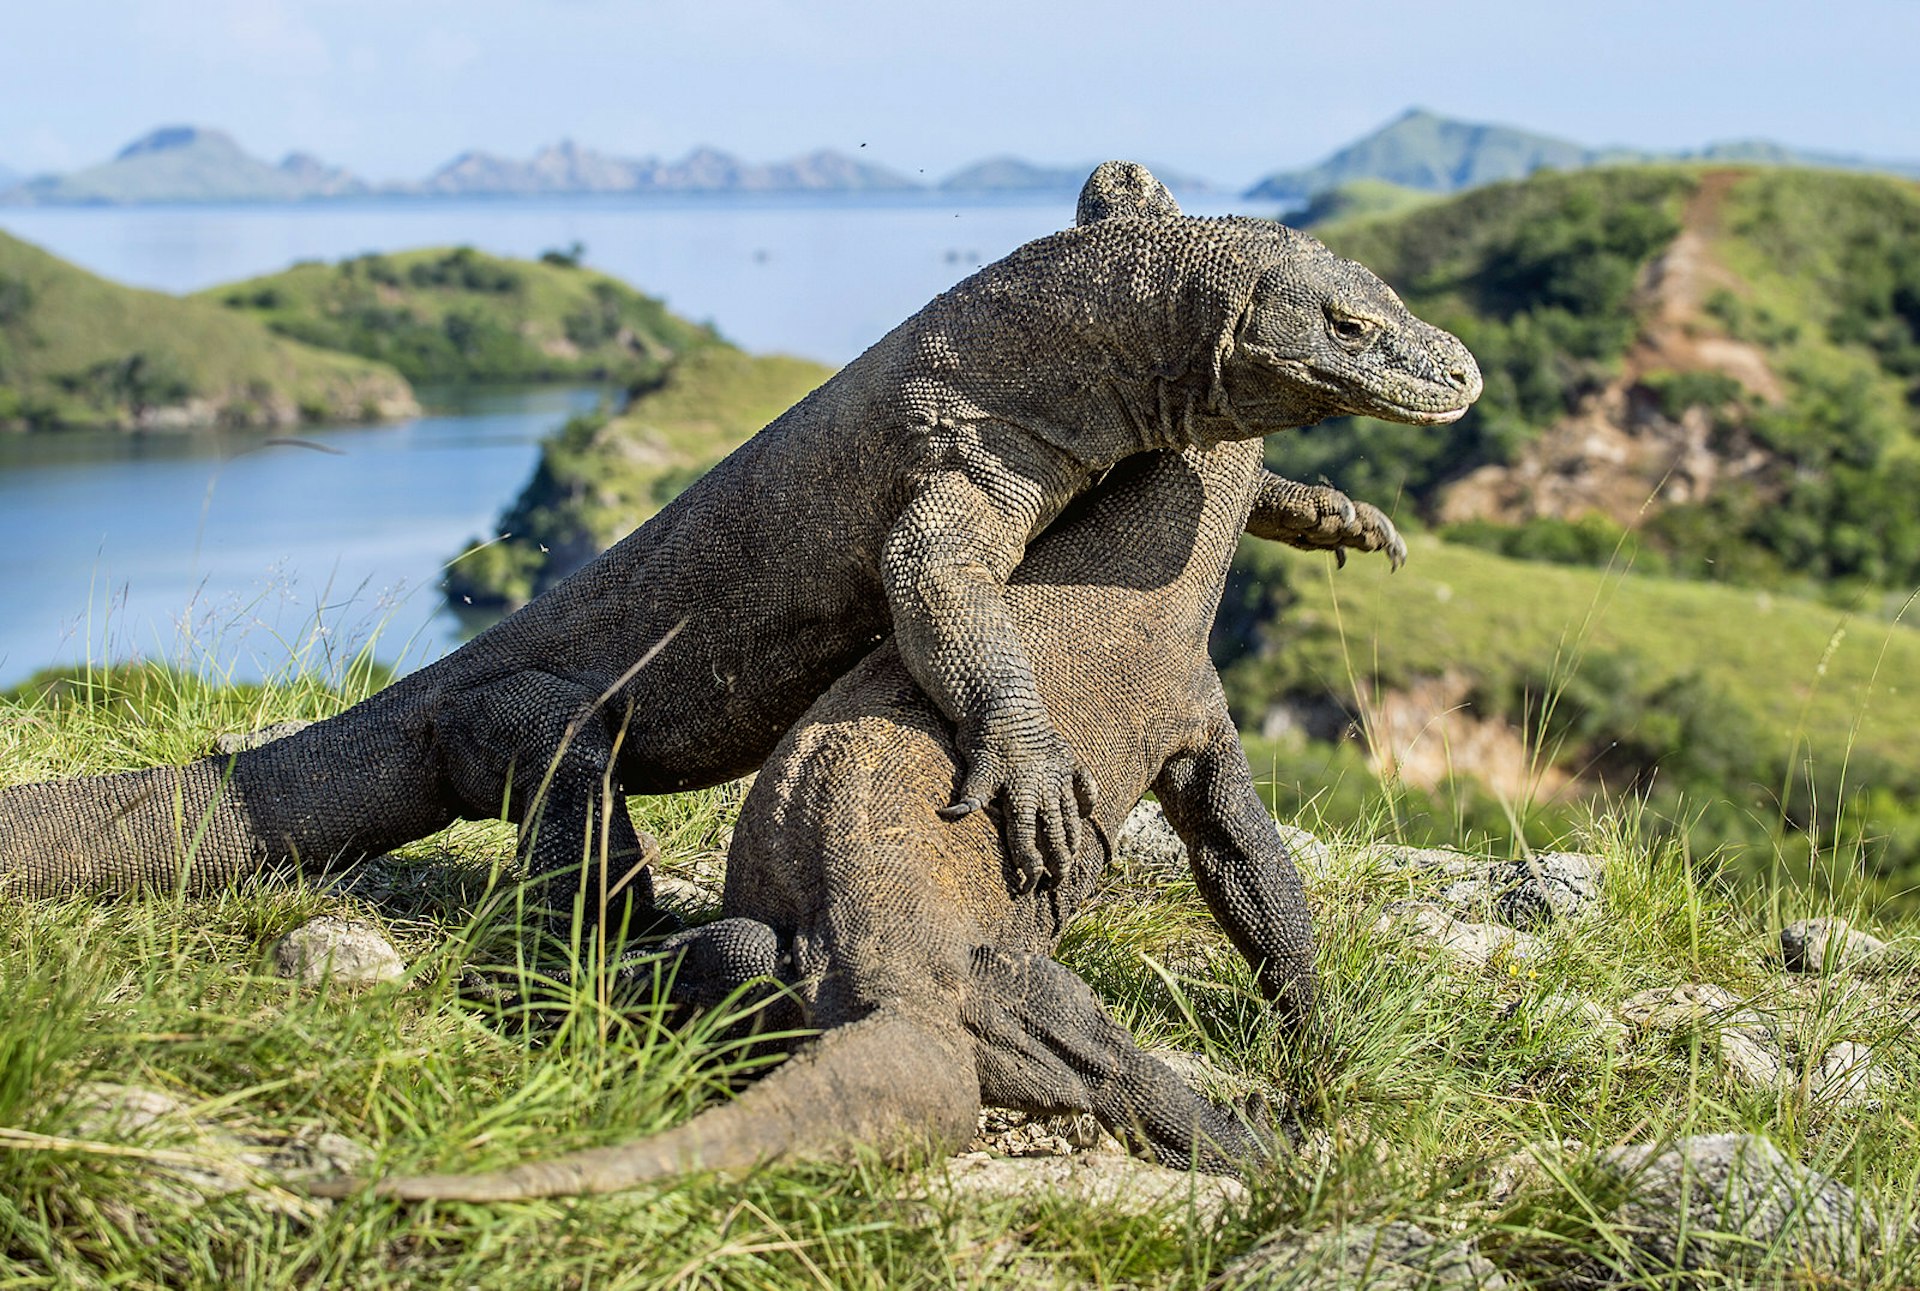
230 553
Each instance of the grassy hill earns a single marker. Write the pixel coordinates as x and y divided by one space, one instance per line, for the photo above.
600 476
1776 724
1722 359
1428 1084
1354 200
77 350
456 314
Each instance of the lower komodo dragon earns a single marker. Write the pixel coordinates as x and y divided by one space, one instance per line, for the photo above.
905 937
898 496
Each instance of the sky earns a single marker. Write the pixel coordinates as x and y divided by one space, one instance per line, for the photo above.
1228 90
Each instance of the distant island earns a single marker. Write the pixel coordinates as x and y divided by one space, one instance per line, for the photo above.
188 164
1429 153
1417 152
79 351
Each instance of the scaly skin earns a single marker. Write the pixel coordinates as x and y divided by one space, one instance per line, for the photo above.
899 497
911 943
902 936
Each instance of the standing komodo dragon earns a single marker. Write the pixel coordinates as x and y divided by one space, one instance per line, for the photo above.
898 496
902 935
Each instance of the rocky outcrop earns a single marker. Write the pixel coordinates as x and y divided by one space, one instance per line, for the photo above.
190 1158
1395 1256
337 952
1730 1203
1830 946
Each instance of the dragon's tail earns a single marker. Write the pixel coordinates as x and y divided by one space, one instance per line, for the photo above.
159 830
342 789
886 1082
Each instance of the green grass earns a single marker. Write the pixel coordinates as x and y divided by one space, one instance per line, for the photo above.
1770 724
1355 200
456 314
77 350
1420 1077
1812 674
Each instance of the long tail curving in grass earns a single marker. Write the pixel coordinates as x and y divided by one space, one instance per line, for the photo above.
888 1083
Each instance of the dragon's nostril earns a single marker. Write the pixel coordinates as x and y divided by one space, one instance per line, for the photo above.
1459 378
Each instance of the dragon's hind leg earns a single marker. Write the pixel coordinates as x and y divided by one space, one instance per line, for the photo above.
1044 1043
540 750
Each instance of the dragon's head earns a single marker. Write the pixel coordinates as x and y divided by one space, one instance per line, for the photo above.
1322 336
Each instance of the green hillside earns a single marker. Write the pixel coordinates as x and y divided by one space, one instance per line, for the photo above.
1739 715
1745 341
1356 199
77 350
600 476
457 314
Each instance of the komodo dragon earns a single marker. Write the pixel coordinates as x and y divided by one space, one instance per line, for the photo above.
900 494
927 969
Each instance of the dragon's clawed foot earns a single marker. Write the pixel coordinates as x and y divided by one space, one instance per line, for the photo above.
1046 792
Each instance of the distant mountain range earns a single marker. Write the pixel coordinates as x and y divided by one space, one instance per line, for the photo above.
1418 150
192 164
1425 151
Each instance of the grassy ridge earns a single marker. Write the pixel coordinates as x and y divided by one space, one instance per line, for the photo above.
456 314
1771 723
77 350
600 476
1419 1076
1789 327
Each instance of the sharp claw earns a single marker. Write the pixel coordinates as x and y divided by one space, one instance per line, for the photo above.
965 807
1339 557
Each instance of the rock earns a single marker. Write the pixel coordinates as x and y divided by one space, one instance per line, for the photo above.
199 1158
228 745
1466 943
684 896
1683 1008
1211 1081
1313 858
1740 1036
1147 842
1378 1257
1391 858
1121 1184
106 1110
1751 1058
1828 945
1847 1076
1511 1174
1528 893
342 952
1732 1203
1546 887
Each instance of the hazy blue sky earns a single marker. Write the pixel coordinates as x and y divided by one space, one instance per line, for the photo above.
392 88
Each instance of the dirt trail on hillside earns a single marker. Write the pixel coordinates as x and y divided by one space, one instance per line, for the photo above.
1678 334
1619 454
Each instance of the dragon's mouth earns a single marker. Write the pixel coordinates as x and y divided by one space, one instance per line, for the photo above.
1425 416
1409 414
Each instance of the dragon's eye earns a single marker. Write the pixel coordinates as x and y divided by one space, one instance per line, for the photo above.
1350 329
